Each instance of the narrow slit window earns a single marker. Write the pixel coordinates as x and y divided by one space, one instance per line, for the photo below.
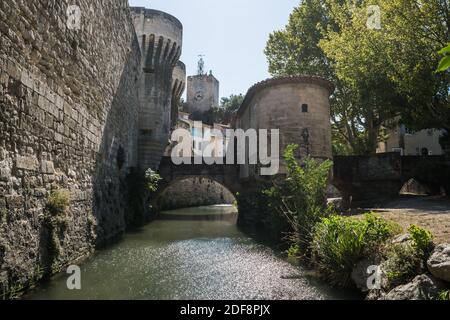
304 108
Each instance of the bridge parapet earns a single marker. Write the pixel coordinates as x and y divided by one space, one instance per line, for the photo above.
381 176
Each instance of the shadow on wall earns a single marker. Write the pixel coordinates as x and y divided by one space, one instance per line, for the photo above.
119 198
194 192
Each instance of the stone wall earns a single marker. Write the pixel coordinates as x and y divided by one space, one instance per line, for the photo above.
178 86
202 93
298 106
195 192
68 120
369 180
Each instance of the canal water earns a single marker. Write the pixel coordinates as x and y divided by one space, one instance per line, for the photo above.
195 253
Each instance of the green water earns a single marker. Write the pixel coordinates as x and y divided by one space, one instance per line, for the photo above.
180 258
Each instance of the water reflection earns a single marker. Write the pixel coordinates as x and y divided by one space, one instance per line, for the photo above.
188 258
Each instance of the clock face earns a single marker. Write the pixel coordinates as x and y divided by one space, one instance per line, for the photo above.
198 96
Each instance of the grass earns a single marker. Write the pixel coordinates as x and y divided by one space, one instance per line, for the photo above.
55 220
58 202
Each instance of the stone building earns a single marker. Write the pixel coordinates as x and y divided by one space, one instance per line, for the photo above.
160 38
298 106
411 143
202 93
203 135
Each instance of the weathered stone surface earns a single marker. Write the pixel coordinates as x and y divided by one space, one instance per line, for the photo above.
400 239
371 179
423 287
155 117
360 275
68 99
47 167
5 174
277 103
27 163
195 192
439 262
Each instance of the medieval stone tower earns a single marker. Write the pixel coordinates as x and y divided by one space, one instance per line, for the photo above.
298 106
202 91
160 39
178 86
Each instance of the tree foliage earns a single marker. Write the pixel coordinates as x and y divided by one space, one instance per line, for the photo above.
380 73
228 106
444 65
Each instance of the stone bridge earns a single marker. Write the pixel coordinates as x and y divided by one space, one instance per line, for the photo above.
361 178
226 175
381 176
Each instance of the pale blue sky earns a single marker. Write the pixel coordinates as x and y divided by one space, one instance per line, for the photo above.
232 35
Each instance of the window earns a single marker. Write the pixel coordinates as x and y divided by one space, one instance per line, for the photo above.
304 108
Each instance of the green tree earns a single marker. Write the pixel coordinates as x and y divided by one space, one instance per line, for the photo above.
444 65
228 106
379 73
296 50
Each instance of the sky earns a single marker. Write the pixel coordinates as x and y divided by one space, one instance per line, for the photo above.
232 34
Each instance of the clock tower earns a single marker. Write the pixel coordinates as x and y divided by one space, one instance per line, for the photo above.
202 90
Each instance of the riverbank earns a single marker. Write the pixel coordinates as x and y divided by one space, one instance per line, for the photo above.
429 212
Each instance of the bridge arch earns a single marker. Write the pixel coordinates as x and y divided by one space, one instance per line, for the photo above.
192 191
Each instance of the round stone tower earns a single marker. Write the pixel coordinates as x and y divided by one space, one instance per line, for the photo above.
178 86
298 106
160 38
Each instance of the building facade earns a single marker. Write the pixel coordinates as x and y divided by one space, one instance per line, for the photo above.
202 93
299 107
411 143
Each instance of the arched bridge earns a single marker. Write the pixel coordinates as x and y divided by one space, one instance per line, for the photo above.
365 178
225 174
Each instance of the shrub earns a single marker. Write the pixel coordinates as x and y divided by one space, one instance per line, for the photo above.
293 251
339 243
402 264
406 260
422 240
152 180
301 197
